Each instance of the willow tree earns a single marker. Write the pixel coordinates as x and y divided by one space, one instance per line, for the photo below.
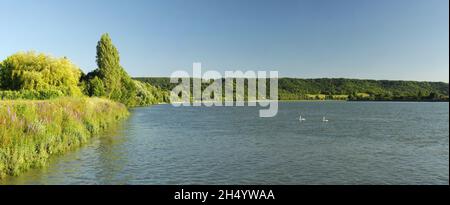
39 72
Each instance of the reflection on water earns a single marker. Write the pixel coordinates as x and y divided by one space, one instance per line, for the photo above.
363 143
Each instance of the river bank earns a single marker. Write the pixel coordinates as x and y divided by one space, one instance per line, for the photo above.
33 130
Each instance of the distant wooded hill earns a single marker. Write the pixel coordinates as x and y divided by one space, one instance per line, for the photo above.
343 89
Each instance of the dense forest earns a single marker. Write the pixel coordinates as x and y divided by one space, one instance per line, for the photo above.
343 89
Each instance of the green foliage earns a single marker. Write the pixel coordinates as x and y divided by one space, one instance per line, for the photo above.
30 94
127 90
95 87
32 131
38 76
344 89
39 72
117 83
112 81
32 127
108 60
147 94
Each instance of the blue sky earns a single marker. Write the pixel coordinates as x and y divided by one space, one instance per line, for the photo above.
375 39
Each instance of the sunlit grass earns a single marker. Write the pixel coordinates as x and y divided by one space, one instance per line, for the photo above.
33 130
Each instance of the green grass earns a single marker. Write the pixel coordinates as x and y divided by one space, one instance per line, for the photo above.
33 130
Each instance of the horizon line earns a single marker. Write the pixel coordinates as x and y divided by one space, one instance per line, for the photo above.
314 78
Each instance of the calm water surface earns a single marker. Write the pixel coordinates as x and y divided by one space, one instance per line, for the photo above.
363 143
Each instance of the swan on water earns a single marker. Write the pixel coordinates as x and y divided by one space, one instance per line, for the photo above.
324 120
301 119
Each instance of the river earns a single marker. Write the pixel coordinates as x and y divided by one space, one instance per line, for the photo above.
362 143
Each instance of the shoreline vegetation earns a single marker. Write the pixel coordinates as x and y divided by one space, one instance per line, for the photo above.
49 106
33 130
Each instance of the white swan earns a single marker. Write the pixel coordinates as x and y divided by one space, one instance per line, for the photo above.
324 120
301 119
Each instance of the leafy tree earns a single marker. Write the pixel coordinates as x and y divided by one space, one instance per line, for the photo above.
112 81
32 71
96 87
109 69
115 83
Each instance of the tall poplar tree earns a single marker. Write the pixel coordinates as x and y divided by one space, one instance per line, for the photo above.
108 62
118 84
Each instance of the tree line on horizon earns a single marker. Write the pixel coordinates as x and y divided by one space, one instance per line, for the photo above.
340 89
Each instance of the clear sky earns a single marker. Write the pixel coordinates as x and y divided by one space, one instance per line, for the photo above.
376 39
